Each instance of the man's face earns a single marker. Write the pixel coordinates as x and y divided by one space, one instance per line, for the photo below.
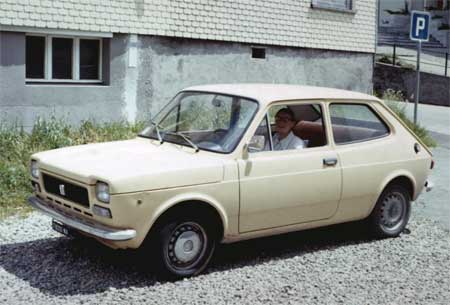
283 123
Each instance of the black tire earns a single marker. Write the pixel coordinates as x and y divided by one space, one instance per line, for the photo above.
184 246
391 212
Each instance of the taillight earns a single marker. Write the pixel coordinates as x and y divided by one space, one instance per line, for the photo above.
432 164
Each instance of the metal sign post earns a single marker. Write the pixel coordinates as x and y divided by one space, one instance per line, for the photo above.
416 104
419 31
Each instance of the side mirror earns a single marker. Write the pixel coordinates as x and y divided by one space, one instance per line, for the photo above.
256 143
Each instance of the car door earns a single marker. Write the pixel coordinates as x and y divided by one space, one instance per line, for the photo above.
281 188
367 152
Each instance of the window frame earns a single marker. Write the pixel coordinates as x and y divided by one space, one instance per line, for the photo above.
269 129
350 9
369 106
48 60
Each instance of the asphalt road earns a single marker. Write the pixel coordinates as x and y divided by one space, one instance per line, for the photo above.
436 204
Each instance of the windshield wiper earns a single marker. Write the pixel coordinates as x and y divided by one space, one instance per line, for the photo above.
177 133
160 138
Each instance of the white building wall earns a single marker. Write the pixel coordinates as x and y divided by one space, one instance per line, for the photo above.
273 22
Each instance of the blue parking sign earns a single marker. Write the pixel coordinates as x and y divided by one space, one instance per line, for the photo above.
420 24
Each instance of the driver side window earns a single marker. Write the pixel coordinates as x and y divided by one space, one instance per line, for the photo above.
290 127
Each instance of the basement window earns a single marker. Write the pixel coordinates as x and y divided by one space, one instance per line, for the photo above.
63 59
259 53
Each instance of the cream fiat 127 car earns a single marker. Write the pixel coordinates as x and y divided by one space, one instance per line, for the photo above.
224 163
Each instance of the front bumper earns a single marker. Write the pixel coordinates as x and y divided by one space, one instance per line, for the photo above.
96 230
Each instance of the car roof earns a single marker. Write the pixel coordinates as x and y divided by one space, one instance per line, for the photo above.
266 93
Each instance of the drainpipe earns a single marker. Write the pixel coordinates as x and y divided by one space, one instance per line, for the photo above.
377 24
131 78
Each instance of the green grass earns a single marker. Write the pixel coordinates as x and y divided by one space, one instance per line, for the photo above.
396 101
16 147
420 131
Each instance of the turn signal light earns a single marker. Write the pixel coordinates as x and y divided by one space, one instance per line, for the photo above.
36 187
101 211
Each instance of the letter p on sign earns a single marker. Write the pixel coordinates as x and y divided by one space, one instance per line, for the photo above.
420 23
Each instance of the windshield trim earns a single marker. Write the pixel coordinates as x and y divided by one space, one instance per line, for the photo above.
258 104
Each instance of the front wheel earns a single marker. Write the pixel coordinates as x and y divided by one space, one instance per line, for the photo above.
391 213
185 247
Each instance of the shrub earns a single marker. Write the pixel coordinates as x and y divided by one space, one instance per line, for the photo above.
444 26
392 95
396 101
16 147
387 59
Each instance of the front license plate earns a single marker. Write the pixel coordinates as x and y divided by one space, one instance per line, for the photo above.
60 228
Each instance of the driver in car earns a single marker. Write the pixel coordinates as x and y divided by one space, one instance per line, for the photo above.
284 138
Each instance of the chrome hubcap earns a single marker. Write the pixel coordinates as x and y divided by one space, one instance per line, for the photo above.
394 211
187 245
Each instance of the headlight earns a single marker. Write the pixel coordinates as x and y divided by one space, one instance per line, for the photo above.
102 192
34 169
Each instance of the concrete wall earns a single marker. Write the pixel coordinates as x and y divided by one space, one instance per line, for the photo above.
168 65
434 89
164 66
23 103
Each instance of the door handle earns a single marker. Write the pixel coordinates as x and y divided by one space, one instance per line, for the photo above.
330 161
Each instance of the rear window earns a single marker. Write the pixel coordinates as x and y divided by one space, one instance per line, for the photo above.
355 123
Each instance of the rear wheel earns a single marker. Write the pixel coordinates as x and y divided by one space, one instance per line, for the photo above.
391 213
185 246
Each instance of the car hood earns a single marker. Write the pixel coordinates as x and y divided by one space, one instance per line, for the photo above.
132 165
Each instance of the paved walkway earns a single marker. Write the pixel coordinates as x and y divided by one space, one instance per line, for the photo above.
436 204
428 63
434 118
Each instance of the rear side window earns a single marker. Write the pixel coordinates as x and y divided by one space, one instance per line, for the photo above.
355 123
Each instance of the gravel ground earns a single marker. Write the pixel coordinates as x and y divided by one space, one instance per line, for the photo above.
335 265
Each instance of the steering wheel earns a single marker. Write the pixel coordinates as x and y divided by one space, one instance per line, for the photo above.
216 136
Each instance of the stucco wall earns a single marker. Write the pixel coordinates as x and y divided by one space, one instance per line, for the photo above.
23 103
434 89
166 65
272 22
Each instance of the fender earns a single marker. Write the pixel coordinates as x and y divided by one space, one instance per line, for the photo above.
165 206
393 175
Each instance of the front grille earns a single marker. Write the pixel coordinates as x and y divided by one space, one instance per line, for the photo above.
67 190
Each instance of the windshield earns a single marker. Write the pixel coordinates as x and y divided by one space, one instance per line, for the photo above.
208 121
